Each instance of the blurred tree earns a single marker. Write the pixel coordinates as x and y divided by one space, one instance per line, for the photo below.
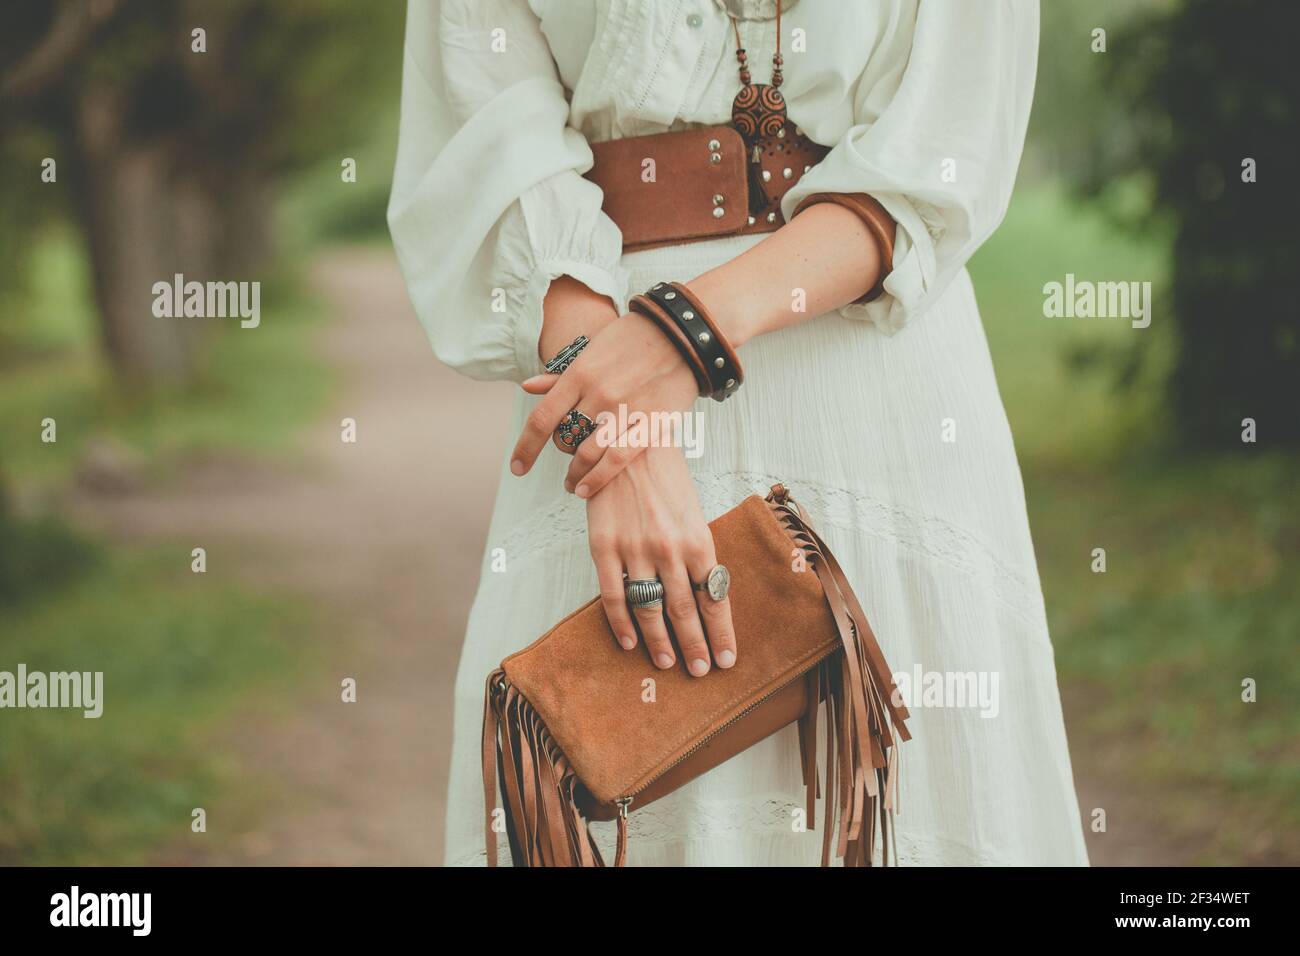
1075 125
170 153
1215 101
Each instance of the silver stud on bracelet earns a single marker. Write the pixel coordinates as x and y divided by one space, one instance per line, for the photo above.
751 220
771 217
715 158
767 176
719 199
688 314
670 295
788 173
704 337
719 362
731 383
719 212
714 146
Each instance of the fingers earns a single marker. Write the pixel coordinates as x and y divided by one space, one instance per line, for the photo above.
651 619
679 602
716 615
540 425
591 470
609 571
539 384
588 453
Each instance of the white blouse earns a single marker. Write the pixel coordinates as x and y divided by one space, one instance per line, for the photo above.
924 103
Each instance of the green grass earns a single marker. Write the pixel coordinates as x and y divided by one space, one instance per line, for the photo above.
179 652
183 654
1058 415
1202 587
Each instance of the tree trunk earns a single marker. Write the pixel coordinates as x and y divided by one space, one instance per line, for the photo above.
145 221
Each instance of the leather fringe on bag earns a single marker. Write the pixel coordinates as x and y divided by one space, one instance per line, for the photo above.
845 674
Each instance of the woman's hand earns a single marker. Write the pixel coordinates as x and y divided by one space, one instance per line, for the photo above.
647 522
571 309
826 251
630 362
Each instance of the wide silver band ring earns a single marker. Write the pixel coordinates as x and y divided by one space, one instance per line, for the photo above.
574 429
645 593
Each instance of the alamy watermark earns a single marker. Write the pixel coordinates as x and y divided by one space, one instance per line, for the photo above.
75 690
208 300
130 910
976 690
1084 299
639 429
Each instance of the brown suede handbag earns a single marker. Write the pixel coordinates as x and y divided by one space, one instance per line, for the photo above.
572 735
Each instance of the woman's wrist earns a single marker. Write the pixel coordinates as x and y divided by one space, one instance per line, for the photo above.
569 310
736 316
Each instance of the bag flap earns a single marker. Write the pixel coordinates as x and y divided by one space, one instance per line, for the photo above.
594 698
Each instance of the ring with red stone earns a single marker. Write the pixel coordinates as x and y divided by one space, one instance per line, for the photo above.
574 429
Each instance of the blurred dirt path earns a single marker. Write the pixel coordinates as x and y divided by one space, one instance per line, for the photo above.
386 535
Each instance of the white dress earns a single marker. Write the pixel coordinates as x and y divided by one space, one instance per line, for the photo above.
883 419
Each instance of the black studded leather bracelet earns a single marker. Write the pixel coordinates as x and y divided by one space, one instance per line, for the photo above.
716 356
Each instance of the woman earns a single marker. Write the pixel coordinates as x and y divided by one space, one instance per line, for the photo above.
868 386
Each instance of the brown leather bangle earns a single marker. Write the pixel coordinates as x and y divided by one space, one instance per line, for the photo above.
879 222
643 305
727 375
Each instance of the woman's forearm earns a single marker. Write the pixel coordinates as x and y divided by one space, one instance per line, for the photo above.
823 259
826 257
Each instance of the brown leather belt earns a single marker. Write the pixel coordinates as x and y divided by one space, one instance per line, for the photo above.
696 184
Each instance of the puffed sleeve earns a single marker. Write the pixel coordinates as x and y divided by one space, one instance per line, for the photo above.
488 202
941 153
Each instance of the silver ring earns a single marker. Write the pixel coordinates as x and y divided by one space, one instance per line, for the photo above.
566 355
647 593
574 429
717 584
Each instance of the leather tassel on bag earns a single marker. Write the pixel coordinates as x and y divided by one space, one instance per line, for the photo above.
819 655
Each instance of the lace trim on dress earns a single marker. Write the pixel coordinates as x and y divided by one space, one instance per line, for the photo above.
656 833
928 536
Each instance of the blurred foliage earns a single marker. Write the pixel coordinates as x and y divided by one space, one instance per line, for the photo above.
315 210
1062 417
38 555
1076 125
255 389
1201 592
173 153
1210 85
1202 587
182 654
